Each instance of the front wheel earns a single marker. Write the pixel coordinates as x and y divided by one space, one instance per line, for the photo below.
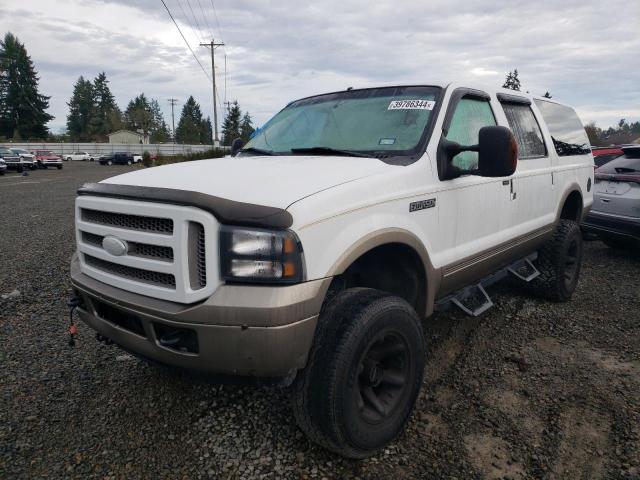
59 167
559 262
109 163
363 375
68 159
129 162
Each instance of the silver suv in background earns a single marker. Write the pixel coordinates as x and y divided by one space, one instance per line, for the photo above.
615 215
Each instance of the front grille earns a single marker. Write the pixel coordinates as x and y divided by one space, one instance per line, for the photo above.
197 256
201 258
157 252
145 276
171 251
131 222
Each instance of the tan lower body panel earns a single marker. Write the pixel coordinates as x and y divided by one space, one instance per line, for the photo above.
473 268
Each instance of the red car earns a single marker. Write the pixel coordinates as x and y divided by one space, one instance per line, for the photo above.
46 158
602 155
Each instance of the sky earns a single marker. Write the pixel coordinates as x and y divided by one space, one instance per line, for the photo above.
585 53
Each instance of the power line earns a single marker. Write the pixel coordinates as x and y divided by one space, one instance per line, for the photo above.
215 15
188 21
206 19
195 19
185 40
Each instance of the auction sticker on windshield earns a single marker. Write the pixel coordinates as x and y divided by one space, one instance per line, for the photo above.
411 105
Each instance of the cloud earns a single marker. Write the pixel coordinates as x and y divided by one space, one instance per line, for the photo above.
279 51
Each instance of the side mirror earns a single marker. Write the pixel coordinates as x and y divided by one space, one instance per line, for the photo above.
497 152
236 146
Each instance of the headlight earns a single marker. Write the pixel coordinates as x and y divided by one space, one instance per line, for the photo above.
262 256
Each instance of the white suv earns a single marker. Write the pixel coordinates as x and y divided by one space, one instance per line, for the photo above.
313 255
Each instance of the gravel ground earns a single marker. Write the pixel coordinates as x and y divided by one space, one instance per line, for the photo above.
530 390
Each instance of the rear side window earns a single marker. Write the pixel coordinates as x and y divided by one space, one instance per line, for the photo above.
606 158
567 132
525 128
628 163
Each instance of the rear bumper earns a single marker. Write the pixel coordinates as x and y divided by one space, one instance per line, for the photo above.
240 330
605 224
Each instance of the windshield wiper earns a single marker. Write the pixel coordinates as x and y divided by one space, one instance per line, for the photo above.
258 151
330 151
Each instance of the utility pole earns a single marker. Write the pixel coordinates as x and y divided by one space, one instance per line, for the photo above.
173 101
213 47
228 105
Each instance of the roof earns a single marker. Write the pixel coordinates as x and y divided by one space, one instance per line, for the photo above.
124 131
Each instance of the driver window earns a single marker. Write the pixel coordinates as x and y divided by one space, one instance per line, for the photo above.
468 118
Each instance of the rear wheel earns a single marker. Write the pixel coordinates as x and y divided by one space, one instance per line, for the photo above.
559 262
363 374
109 162
129 162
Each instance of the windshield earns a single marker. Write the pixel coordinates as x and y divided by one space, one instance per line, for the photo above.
380 122
44 152
6 151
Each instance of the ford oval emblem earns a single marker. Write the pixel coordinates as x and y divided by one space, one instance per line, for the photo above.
114 246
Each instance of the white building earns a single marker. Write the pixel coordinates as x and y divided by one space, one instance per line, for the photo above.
128 137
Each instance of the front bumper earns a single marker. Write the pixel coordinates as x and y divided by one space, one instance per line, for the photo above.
605 224
240 330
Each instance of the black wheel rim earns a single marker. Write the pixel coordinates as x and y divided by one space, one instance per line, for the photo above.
383 377
571 262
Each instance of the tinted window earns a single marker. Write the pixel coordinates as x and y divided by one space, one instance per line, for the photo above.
602 159
628 163
567 132
468 118
526 130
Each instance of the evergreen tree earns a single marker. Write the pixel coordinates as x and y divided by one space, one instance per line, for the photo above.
107 117
22 107
246 127
159 129
190 125
512 81
81 111
206 131
138 115
231 124
547 95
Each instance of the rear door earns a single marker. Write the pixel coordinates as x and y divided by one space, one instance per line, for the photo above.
532 196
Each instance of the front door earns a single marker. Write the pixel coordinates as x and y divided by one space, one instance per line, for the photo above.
472 208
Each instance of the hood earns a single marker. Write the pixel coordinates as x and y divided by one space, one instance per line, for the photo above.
275 181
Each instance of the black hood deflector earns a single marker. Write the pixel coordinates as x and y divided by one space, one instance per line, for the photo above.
225 210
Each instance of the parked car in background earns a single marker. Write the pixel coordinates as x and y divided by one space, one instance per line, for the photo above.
137 158
615 215
3 166
11 160
46 158
118 158
81 156
28 159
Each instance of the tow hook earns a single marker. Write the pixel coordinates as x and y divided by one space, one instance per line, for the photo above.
73 302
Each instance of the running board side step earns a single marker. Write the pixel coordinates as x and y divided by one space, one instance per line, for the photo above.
474 299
